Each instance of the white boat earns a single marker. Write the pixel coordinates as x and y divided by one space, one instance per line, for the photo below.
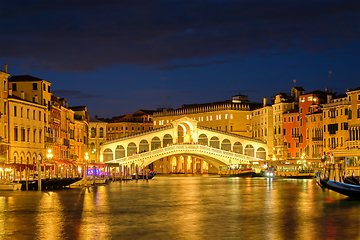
9 186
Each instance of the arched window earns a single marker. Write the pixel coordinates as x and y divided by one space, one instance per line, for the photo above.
93 132
119 152
155 143
101 134
226 145
214 142
249 150
261 153
167 140
238 147
131 149
144 146
203 139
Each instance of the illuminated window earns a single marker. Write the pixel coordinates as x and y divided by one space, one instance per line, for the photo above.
207 118
210 118
154 124
219 116
309 98
231 116
226 116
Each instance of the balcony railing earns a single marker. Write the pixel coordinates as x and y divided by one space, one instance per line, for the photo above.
317 139
48 139
353 144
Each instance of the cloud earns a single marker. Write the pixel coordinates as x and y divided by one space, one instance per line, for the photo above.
87 35
73 94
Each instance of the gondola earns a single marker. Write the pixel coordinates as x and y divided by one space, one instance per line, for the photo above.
350 190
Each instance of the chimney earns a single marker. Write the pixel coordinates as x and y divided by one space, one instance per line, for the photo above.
22 95
264 101
5 68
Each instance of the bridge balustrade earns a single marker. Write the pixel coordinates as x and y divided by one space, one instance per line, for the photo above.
185 146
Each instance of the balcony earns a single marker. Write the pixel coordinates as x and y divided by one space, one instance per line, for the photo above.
353 144
295 136
48 140
317 139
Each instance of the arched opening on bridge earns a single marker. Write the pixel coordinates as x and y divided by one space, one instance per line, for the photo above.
143 146
185 132
238 147
167 140
131 149
108 155
155 143
181 133
215 142
261 153
203 139
119 152
226 145
249 150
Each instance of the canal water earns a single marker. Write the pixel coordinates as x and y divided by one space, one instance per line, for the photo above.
179 207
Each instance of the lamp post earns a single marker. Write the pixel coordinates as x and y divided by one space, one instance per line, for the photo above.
49 156
85 170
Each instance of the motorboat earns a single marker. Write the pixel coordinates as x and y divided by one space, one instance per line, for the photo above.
10 186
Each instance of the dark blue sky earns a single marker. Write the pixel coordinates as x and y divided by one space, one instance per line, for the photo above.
120 56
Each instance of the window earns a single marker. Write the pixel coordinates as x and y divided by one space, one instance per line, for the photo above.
21 112
39 116
284 119
284 132
301 122
27 113
44 87
102 132
14 87
28 135
34 136
300 110
39 136
49 90
15 133
349 98
34 114
23 134
35 86
15 111
4 108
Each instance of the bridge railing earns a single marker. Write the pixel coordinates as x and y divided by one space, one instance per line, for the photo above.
138 134
230 134
186 146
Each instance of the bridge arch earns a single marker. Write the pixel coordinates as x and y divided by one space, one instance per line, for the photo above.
203 139
238 147
131 149
249 150
261 153
226 144
143 146
108 154
215 142
167 140
119 151
155 143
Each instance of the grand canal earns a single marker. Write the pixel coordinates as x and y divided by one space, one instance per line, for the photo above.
179 207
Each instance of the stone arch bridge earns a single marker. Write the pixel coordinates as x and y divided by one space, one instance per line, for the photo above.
184 137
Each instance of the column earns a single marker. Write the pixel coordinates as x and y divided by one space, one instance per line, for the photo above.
185 164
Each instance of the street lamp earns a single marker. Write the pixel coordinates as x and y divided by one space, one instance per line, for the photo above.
86 156
49 155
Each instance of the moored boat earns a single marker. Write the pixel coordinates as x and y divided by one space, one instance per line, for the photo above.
294 171
10 186
343 188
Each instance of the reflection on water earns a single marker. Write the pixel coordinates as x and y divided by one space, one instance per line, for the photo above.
182 208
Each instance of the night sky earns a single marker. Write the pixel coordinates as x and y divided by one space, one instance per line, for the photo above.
116 57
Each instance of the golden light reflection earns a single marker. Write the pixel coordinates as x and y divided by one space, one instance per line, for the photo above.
49 222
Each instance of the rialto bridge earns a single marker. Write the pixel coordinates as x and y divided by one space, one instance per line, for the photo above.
183 146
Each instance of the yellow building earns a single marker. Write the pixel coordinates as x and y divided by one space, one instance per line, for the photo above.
26 131
97 136
4 114
230 116
314 135
34 90
81 132
262 124
335 124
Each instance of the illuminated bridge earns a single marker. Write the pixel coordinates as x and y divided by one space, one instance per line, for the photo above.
183 146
